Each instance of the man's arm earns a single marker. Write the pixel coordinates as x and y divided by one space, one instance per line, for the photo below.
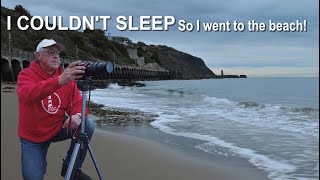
28 90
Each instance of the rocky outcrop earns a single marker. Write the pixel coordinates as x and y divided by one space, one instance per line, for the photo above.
110 116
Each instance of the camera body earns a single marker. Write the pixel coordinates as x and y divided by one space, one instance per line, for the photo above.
97 68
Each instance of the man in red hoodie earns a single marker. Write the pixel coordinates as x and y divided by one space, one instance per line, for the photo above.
49 110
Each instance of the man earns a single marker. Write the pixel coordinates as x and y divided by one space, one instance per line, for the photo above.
49 110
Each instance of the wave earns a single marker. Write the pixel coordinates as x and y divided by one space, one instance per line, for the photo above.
217 101
251 105
287 109
115 86
305 110
173 91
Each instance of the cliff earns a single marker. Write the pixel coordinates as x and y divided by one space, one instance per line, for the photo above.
190 67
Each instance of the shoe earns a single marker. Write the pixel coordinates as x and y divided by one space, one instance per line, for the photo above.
78 174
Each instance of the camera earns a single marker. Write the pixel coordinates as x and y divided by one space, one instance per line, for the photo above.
97 68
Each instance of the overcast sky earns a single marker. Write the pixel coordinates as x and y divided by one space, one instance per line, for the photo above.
252 53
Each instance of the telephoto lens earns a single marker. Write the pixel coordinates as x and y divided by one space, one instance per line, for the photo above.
97 68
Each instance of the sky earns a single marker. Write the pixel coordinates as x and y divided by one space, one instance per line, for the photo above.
256 54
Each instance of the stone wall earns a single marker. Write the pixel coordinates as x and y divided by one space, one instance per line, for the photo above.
133 54
140 61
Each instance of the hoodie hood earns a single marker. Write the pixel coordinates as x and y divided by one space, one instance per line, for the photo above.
35 66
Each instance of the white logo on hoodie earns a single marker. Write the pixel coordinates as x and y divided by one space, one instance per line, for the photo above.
52 103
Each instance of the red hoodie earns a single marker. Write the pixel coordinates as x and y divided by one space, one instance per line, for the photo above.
43 103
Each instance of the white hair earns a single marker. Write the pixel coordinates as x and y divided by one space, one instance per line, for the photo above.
41 49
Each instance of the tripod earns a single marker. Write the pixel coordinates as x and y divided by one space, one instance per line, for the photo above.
82 139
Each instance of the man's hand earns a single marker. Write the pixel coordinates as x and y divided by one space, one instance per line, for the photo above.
73 71
76 120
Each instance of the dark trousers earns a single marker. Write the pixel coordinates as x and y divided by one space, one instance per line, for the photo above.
34 155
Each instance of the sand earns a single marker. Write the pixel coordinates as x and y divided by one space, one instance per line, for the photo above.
119 156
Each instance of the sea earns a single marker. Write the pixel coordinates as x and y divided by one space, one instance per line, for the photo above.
271 122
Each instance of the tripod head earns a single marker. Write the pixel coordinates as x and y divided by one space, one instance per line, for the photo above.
84 86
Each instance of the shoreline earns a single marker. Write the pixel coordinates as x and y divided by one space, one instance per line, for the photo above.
120 156
134 122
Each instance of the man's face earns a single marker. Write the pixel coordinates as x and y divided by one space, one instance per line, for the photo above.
49 58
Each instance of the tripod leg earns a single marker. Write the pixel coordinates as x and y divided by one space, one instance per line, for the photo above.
72 161
94 161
